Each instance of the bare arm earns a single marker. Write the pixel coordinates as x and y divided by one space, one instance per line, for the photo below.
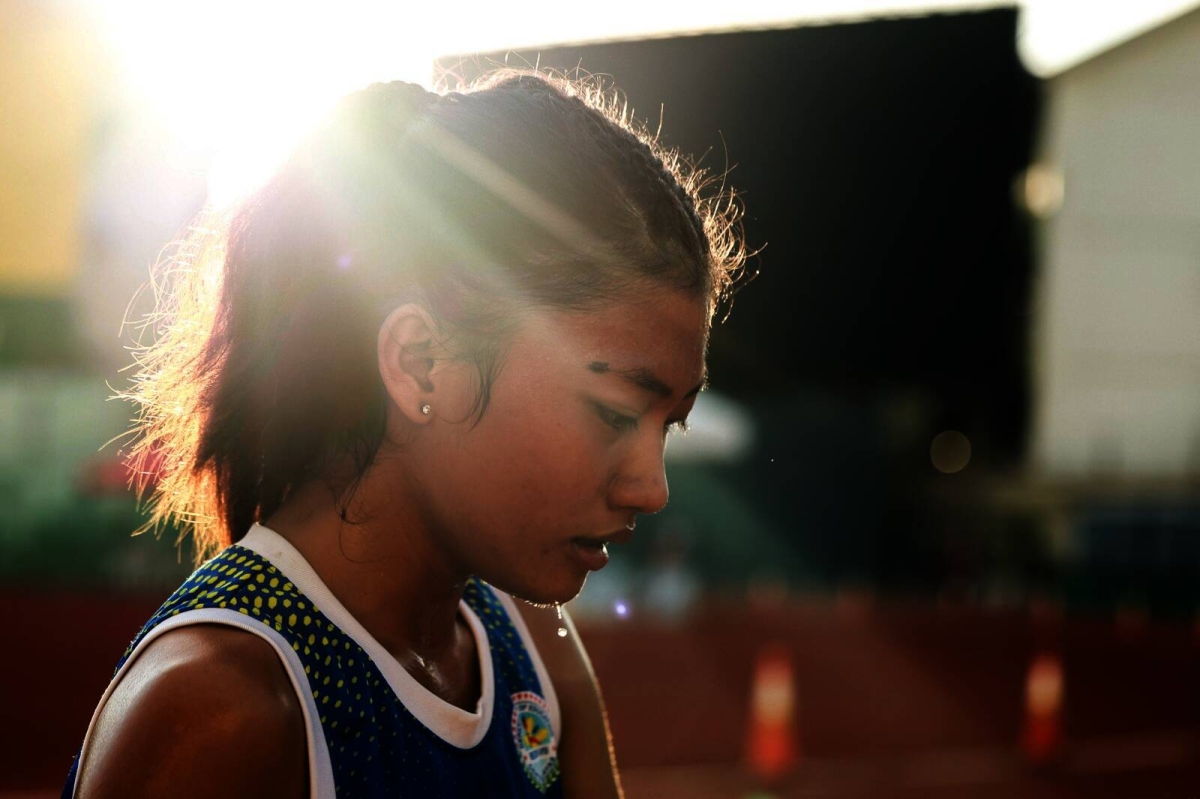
205 711
589 765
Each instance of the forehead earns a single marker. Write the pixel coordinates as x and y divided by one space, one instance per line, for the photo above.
668 335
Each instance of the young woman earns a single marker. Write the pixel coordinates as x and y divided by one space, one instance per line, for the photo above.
430 367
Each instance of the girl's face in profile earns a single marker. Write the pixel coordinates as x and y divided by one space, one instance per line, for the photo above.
571 444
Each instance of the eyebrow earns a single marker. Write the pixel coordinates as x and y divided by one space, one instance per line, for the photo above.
645 379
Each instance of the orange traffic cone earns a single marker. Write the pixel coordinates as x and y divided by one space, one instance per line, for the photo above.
772 747
1041 737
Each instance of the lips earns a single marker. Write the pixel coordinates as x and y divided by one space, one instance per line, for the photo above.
592 557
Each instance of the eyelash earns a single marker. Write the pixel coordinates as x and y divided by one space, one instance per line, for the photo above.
622 423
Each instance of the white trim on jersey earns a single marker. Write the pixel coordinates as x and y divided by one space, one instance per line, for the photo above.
449 722
320 770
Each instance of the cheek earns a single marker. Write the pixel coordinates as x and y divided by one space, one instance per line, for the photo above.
556 462
532 469
537 461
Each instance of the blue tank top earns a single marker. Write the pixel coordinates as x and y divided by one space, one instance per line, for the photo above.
372 730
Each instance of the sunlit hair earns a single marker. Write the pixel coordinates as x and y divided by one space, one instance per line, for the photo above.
521 191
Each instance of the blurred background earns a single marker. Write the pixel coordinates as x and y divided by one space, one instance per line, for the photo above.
936 529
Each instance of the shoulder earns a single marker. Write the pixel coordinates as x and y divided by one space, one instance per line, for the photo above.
204 709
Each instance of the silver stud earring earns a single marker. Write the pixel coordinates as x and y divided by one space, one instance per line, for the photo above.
425 409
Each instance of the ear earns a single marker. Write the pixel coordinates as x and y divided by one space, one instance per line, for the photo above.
410 360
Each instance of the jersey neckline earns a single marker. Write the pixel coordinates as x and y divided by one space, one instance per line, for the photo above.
449 722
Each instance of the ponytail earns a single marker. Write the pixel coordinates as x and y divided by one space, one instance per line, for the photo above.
262 363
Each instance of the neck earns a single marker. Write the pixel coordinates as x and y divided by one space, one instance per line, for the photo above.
383 564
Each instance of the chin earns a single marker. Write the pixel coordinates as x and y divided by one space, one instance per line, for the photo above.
541 592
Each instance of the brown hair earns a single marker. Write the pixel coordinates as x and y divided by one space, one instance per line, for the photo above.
522 190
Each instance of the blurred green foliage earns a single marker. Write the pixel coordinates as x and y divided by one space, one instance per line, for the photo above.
38 332
66 514
87 542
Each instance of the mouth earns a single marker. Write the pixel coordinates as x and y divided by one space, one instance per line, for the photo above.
592 551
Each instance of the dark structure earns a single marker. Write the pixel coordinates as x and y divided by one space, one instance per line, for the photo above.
877 162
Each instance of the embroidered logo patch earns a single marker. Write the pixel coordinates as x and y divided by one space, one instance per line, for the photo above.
534 738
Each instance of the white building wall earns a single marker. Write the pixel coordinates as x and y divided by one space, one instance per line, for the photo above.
1118 338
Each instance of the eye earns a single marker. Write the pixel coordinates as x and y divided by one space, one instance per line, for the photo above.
617 421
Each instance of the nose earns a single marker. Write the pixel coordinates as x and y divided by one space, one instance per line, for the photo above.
641 484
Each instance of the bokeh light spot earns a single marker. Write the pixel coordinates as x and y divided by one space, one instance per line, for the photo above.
950 452
1041 190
